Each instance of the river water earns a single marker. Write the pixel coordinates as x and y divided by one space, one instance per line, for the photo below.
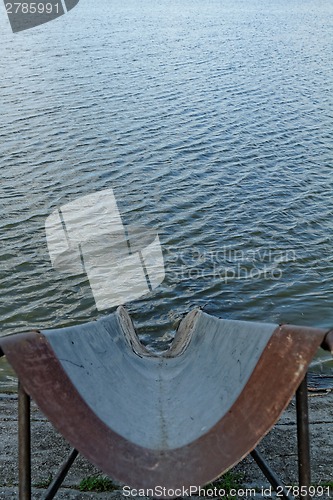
211 121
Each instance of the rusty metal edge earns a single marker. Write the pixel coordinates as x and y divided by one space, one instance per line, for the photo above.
231 439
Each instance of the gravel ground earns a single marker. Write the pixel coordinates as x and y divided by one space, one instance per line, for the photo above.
279 447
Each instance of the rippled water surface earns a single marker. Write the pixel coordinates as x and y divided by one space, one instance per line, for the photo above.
212 122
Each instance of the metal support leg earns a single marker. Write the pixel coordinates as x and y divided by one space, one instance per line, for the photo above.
270 474
24 444
58 480
303 436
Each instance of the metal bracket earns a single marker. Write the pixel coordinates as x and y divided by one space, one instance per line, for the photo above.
303 446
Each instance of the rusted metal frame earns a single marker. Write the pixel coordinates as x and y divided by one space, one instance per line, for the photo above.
303 445
24 442
303 437
62 473
24 439
105 434
270 474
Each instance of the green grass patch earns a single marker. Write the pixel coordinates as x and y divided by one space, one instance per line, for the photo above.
97 483
328 483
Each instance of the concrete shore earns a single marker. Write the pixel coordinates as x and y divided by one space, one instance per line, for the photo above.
279 448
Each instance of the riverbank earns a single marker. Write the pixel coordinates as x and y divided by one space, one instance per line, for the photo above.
279 447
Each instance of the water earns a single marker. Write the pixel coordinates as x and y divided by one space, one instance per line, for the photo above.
212 122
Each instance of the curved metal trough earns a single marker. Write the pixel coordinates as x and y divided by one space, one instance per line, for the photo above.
176 420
